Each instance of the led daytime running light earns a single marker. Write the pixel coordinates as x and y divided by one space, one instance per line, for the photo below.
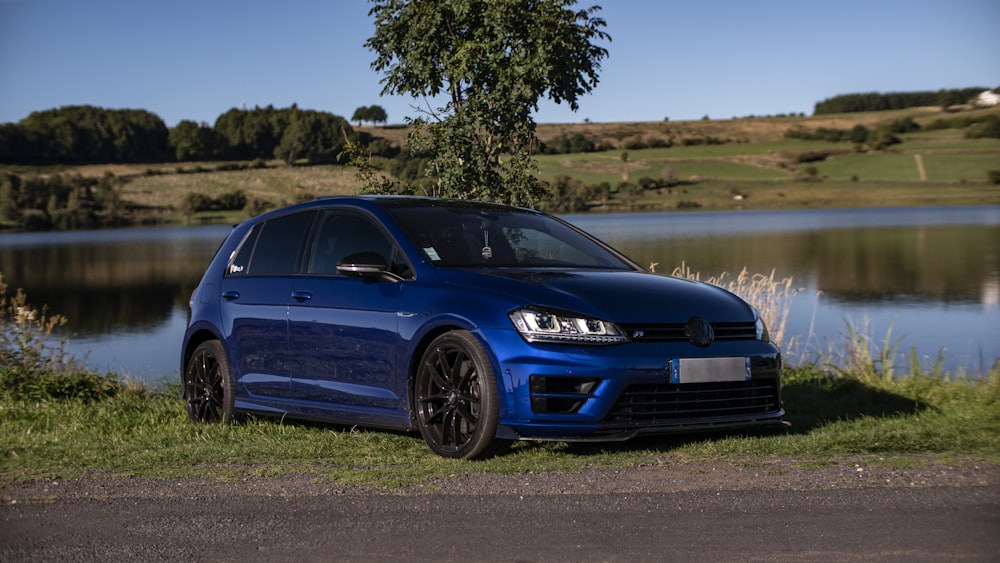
547 326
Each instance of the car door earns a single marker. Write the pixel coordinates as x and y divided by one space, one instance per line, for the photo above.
343 330
256 291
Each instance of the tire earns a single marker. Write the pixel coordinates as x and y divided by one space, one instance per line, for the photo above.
455 397
208 385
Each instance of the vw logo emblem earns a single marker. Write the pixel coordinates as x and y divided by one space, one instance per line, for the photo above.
699 332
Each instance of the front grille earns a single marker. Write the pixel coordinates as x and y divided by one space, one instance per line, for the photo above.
675 332
651 404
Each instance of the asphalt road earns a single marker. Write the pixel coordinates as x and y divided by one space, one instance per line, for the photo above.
673 513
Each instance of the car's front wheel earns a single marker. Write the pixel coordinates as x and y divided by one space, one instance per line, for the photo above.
208 384
455 396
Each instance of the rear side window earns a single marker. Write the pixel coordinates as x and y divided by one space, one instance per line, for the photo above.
238 265
274 248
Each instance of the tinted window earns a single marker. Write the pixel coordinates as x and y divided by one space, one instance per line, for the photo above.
343 233
279 245
468 235
239 263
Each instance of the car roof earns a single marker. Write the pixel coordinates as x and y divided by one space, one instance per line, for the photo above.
390 201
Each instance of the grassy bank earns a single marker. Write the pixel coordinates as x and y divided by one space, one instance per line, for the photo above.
144 434
58 421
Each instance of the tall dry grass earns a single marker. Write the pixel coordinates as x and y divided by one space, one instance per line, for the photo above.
770 295
858 355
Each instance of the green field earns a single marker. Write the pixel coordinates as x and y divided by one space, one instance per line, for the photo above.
728 164
890 166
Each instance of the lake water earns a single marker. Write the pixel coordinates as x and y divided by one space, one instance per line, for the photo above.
930 277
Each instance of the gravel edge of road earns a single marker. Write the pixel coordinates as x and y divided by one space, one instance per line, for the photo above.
679 476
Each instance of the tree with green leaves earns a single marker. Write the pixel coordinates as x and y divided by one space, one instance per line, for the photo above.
85 134
314 136
361 114
194 141
374 114
377 114
255 133
490 62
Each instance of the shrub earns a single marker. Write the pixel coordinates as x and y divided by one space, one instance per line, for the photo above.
17 382
382 147
229 166
648 183
195 202
994 176
576 144
255 206
905 125
566 195
859 134
989 128
882 139
231 200
34 364
811 156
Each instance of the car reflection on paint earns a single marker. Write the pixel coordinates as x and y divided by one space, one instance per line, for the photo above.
476 324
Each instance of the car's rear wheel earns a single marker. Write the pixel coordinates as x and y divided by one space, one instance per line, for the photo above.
455 396
208 384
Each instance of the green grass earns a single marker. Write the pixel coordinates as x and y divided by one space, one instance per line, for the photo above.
721 170
149 435
604 167
950 140
963 167
886 166
938 167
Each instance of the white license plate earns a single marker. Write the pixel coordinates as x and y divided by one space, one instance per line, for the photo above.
708 370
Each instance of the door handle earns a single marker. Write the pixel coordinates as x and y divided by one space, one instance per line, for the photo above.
302 296
231 295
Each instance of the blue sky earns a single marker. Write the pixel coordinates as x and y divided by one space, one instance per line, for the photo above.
196 59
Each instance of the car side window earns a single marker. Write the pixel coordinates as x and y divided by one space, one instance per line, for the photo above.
241 260
343 233
273 247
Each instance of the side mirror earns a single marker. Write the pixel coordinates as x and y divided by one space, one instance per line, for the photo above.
364 265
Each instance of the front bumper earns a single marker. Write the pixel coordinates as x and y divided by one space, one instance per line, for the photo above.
609 393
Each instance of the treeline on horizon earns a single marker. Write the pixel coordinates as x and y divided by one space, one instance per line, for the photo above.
241 138
93 135
875 101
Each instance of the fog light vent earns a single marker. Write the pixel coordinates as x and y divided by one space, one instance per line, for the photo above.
560 395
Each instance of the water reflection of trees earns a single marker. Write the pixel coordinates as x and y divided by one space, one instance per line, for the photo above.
105 288
948 264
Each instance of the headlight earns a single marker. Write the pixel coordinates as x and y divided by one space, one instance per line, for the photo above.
538 325
760 329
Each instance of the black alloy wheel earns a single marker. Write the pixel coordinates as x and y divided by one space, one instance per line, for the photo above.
208 384
455 396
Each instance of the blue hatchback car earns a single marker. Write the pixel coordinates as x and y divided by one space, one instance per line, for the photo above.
477 324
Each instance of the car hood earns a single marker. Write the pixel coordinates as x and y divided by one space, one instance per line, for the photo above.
619 296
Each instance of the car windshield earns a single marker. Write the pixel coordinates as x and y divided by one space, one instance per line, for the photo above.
478 235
